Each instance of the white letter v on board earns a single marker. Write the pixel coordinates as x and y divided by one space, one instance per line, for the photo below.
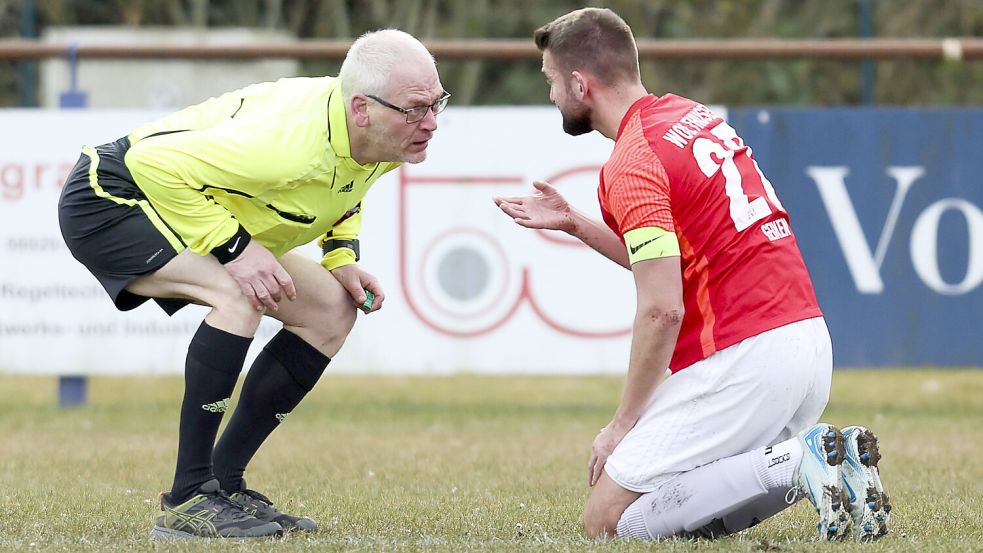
864 266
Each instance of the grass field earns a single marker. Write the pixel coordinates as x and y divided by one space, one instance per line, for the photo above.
463 463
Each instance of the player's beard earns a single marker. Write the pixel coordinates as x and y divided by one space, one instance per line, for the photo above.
576 120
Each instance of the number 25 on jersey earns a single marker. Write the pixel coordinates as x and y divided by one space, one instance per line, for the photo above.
725 156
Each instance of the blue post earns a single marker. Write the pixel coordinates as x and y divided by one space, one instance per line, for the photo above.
73 390
73 97
867 74
27 71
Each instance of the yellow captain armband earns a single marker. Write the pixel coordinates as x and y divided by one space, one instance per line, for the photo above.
650 243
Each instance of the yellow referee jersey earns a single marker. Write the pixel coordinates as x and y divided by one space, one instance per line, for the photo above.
273 157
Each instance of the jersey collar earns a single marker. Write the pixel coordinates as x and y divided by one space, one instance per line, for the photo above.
338 137
338 122
639 104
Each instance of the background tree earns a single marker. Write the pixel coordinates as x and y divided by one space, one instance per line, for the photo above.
800 82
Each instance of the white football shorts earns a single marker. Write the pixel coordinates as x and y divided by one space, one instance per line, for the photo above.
756 393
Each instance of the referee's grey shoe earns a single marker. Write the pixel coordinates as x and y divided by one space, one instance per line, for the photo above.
263 508
209 514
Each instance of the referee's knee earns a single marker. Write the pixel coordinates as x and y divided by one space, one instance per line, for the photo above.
231 305
332 315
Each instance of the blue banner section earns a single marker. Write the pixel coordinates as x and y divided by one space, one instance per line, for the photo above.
887 205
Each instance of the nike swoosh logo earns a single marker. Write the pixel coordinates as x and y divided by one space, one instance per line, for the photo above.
232 249
634 249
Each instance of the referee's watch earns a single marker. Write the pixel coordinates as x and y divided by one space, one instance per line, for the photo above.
336 243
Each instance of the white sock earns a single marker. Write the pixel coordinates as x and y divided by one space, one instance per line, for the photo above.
757 510
732 494
632 523
775 465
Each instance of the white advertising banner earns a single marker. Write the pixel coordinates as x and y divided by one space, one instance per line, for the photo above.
466 288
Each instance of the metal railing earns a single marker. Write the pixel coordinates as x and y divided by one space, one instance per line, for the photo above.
955 49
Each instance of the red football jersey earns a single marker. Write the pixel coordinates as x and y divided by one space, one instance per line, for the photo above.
677 166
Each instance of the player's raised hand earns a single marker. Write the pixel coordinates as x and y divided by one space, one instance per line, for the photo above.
357 281
546 209
261 277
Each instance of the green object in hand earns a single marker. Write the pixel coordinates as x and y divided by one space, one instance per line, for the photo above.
367 304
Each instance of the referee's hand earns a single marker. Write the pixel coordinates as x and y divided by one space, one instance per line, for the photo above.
261 277
356 281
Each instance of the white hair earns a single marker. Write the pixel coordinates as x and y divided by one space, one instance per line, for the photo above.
371 59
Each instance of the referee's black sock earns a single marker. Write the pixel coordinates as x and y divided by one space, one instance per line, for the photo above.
283 373
213 365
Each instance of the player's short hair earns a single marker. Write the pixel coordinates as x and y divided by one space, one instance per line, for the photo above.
594 39
372 57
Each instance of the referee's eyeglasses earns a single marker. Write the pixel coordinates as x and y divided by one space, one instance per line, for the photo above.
415 115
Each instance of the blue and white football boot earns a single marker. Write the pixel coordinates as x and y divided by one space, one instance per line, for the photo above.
861 481
818 478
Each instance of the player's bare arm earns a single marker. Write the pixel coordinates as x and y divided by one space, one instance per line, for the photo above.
658 317
548 209
356 281
261 277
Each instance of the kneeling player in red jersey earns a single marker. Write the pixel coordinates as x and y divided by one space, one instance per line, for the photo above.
724 301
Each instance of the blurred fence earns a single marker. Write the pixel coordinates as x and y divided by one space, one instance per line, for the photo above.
843 49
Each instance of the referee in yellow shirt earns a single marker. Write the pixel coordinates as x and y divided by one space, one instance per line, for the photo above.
205 205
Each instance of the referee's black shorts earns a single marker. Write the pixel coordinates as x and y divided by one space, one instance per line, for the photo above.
111 228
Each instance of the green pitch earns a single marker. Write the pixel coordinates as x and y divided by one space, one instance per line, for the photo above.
464 463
